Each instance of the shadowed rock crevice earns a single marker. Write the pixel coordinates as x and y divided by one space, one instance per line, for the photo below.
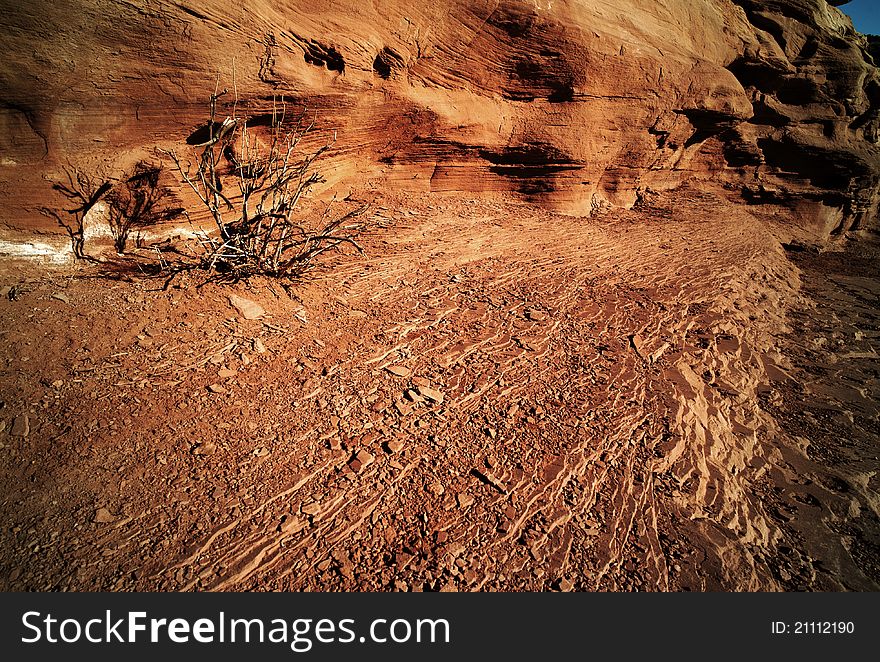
320 55
387 63
532 168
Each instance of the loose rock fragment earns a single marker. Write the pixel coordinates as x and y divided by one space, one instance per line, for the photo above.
431 394
21 426
205 448
402 559
638 344
399 370
259 347
250 310
103 516
394 446
490 479
216 388
311 509
464 500
361 460
291 524
300 314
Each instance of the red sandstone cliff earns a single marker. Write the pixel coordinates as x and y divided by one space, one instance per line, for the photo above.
574 105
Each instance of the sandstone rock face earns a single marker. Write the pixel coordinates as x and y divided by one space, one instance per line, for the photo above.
816 97
570 104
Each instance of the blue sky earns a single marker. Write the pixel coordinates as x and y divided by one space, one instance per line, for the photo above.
865 15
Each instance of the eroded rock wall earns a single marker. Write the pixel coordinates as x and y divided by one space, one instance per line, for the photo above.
813 138
571 104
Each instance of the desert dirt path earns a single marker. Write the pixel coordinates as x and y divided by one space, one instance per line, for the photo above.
493 397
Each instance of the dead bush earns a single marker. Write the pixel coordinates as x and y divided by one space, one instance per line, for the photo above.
252 186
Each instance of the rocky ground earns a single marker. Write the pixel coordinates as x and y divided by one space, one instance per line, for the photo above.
492 397
829 410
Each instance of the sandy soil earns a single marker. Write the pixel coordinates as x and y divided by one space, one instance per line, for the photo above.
493 397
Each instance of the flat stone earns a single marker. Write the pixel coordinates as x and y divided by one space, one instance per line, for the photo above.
361 460
216 388
464 500
250 310
431 394
103 516
226 373
21 426
402 559
394 446
205 448
399 370
259 347
311 509
638 344
291 524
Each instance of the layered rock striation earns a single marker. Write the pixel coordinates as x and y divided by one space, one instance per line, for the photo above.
573 105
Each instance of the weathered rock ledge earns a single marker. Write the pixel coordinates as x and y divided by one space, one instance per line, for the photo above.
574 106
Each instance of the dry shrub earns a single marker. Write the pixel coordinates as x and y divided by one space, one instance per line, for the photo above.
260 229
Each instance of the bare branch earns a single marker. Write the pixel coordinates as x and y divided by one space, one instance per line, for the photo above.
271 180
